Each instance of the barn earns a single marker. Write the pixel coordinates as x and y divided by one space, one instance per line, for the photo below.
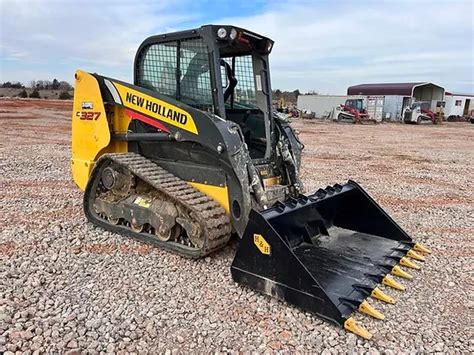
400 95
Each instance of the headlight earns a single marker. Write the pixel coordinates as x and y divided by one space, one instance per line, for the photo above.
221 33
233 34
269 46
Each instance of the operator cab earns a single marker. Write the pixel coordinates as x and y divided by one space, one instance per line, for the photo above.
421 106
357 104
218 69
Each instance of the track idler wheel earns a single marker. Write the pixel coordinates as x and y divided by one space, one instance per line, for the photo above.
117 181
113 221
137 228
172 233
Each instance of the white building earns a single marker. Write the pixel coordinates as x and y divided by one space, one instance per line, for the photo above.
458 105
321 105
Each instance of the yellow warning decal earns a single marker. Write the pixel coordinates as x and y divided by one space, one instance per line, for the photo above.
261 244
142 202
156 108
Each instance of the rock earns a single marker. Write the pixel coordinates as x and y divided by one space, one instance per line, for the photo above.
275 345
110 348
439 347
285 335
93 324
27 335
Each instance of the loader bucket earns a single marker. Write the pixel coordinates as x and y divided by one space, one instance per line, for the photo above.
325 253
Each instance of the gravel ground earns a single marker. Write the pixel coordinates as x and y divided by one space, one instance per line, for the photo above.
66 286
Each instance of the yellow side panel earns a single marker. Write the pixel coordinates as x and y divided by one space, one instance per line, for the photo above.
90 128
217 193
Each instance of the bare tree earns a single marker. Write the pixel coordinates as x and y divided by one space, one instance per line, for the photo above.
65 86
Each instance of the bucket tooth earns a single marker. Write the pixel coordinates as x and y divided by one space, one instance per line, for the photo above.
381 296
414 255
351 325
406 262
397 271
421 248
388 281
366 308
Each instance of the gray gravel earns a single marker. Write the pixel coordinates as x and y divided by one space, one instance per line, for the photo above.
66 286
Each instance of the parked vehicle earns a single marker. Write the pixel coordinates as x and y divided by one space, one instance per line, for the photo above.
359 110
419 111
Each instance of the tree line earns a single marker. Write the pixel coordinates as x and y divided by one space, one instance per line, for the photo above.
287 96
55 84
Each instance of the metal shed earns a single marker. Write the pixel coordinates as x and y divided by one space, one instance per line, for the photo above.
400 95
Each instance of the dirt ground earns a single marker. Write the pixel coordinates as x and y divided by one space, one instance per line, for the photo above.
62 281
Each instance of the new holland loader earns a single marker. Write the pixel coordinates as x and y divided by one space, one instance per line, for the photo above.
192 153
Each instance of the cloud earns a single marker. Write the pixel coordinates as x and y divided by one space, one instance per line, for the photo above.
63 35
323 46
328 46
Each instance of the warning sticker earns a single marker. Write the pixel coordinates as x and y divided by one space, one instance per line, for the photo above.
142 202
261 244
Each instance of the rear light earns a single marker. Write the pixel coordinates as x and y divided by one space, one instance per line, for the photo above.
269 46
243 40
221 33
233 34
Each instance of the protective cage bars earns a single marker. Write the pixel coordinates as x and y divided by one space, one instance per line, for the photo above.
179 69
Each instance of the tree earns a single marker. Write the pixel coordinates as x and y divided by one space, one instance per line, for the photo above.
14 85
65 86
23 94
64 95
296 93
35 94
55 84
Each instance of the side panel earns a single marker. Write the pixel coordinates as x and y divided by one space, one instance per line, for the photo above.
90 129
393 107
375 107
218 193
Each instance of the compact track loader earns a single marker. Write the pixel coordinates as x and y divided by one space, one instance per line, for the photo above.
192 153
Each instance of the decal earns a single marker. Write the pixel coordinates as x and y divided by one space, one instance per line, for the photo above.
258 80
87 105
142 202
156 109
152 122
88 115
261 244
113 91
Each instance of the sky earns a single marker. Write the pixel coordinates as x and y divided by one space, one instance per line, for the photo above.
322 46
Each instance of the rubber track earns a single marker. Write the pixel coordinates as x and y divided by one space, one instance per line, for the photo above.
212 218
